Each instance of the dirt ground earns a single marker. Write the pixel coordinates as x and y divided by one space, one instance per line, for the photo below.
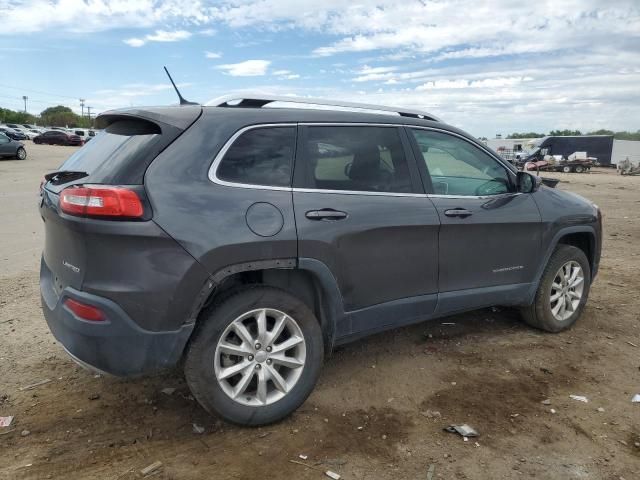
379 409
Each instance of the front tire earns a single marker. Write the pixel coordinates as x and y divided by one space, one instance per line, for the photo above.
255 356
21 153
563 291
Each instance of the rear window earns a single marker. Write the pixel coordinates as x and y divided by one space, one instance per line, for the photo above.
261 156
121 153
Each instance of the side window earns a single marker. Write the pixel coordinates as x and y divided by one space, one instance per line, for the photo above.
457 167
261 156
370 159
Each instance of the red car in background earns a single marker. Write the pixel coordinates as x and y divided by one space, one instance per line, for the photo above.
56 137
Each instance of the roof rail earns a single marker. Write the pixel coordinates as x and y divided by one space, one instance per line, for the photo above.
257 101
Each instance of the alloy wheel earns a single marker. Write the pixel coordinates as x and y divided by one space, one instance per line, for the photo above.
566 290
260 357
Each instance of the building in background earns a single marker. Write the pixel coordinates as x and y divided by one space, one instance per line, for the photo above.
623 149
607 150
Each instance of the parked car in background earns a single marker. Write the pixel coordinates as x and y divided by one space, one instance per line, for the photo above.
29 133
246 242
33 127
83 133
56 137
13 134
11 148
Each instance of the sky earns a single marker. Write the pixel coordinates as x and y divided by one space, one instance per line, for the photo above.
490 67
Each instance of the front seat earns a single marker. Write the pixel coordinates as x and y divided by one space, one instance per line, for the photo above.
365 171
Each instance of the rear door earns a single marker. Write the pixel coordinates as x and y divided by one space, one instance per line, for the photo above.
361 211
490 235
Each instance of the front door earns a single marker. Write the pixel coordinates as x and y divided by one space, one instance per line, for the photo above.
359 210
490 234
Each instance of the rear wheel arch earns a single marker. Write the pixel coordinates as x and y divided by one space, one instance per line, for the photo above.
303 283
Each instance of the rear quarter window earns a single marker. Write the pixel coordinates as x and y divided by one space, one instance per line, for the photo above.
261 156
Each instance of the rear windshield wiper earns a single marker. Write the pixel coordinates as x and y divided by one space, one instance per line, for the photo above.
62 176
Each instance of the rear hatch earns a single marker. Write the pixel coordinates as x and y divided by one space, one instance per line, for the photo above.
116 157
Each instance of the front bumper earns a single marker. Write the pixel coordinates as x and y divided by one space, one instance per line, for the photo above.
117 345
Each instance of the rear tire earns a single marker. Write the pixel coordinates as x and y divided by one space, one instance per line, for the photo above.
579 169
254 395
557 288
567 169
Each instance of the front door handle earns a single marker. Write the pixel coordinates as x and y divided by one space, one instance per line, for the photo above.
326 214
458 212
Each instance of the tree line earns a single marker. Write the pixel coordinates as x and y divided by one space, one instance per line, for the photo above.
59 116
623 135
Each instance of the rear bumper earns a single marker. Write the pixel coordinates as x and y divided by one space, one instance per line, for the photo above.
117 345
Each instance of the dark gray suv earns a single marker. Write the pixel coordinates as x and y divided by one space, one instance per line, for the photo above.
246 241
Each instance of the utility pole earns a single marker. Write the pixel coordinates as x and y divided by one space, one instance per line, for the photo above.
82 107
89 114
25 98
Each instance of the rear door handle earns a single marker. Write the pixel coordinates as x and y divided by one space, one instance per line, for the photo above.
326 214
458 212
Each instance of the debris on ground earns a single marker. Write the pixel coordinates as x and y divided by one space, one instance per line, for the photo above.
600 409
636 398
198 429
25 433
546 402
5 421
552 410
431 471
448 323
94 396
151 468
464 430
34 385
579 398
303 457
168 391
632 344
333 475
546 370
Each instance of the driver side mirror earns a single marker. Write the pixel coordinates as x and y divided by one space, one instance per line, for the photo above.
527 183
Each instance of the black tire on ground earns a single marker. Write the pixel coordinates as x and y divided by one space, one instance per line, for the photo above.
199 363
567 169
579 169
21 153
539 313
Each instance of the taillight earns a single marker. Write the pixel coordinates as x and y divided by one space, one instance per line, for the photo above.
101 202
84 311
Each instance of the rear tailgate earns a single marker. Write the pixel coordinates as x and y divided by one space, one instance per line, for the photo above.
118 156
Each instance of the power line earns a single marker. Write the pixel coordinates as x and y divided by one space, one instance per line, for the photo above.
36 91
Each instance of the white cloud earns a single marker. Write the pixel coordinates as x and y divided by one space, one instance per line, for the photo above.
166 36
208 54
158 36
488 67
248 68
135 42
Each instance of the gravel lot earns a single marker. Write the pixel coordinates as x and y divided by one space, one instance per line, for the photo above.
381 404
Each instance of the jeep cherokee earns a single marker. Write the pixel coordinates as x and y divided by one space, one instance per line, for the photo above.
245 241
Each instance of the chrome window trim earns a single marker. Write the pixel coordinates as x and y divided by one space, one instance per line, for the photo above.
218 159
359 192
